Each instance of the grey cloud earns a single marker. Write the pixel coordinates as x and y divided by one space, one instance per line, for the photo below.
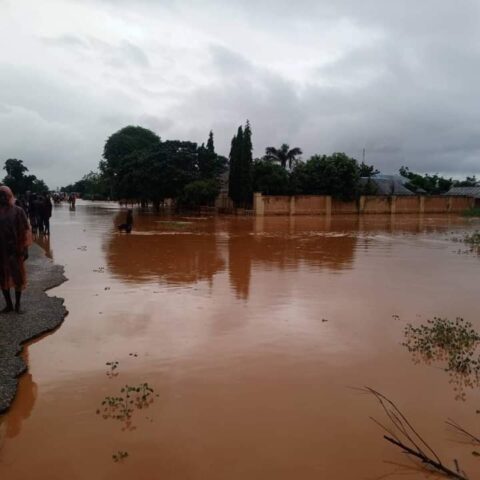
406 91
402 116
66 41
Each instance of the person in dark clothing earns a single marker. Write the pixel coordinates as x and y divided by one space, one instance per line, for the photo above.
31 212
128 225
15 237
38 206
45 214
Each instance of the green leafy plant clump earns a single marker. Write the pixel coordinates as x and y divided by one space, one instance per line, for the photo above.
454 341
121 407
119 456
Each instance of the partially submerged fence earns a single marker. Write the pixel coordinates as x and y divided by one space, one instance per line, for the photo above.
367 204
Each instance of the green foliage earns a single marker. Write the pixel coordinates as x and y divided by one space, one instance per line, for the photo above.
337 175
210 145
200 192
454 342
210 165
367 170
131 398
472 212
18 180
283 155
270 178
241 164
431 184
93 186
125 142
138 165
468 182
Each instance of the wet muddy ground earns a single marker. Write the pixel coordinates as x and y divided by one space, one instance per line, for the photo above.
254 335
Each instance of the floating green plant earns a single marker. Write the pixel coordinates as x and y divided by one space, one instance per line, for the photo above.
454 342
122 407
112 370
119 456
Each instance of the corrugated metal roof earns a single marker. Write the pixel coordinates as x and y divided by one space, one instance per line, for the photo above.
465 191
388 185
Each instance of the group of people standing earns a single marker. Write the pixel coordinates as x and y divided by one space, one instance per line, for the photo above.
38 208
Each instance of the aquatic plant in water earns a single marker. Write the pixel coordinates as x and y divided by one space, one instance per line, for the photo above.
452 341
111 372
119 456
122 407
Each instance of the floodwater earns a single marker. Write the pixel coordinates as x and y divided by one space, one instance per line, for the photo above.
255 335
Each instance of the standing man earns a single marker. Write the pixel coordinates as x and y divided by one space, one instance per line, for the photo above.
15 238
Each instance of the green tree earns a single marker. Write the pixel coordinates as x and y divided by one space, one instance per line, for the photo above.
210 165
210 145
245 168
337 175
270 178
283 155
200 192
468 182
234 165
432 184
19 181
367 170
130 140
241 164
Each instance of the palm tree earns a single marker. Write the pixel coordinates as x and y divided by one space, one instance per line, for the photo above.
283 155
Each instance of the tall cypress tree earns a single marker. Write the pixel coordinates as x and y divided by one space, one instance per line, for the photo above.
246 167
241 166
234 180
210 145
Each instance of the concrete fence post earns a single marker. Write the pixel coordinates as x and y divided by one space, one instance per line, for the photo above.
393 204
362 203
291 209
421 207
258 205
328 205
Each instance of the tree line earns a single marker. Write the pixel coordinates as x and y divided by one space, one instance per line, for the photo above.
138 165
19 180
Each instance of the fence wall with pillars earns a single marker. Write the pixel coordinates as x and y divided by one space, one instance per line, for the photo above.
366 204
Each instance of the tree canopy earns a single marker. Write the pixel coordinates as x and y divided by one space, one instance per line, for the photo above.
431 184
283 155
241 165
18 179
138 165
337 175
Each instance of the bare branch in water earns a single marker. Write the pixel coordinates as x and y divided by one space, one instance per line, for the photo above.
404 435
451 423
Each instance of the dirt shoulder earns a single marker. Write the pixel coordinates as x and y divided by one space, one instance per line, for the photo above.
42 314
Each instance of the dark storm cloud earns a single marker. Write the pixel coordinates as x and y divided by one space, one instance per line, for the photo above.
396 78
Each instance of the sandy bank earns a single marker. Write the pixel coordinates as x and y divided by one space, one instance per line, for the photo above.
43 314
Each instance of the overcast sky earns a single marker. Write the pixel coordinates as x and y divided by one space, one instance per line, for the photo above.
398 78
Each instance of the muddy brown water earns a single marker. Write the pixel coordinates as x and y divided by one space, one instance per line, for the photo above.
254 333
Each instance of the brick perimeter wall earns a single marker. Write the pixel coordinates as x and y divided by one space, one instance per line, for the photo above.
324 204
